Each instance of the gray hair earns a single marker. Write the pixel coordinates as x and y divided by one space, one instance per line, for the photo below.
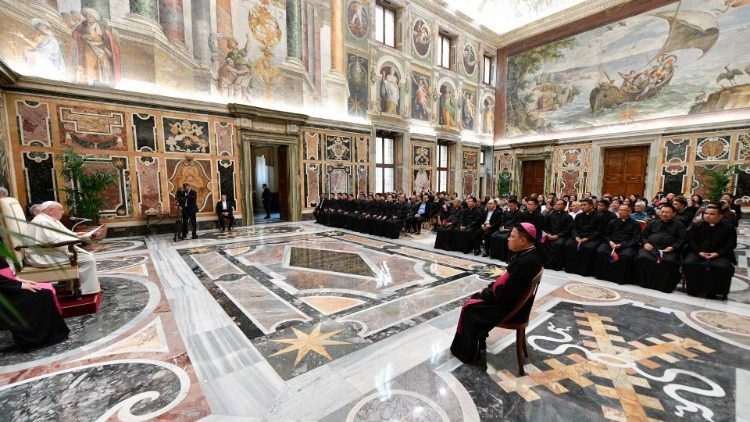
4 191
35 210
640 203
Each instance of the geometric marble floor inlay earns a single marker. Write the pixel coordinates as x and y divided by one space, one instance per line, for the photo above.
301 322
328 260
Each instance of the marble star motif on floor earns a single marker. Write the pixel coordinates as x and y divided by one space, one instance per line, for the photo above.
305 343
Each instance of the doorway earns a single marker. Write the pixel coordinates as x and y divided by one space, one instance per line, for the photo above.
532 177
269 168
625 170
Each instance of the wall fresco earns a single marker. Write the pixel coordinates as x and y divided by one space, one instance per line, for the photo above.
685 58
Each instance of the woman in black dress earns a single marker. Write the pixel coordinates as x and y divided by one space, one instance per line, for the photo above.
29 311
485 309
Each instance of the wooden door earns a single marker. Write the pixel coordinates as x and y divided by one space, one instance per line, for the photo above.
283 177
625 170
532 178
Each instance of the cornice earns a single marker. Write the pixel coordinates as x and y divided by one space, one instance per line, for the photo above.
555 20
7 75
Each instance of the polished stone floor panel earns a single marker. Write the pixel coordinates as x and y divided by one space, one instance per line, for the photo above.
300 322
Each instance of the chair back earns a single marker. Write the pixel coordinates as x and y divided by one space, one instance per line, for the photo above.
522 309
643 225
14 221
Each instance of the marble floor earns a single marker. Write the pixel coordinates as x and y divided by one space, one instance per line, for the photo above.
296 321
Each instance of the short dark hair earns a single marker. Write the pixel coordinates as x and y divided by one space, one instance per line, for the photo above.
604 201
587 201
681 200
668 205
534 200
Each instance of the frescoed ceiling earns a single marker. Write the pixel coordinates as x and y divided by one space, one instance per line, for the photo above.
503 16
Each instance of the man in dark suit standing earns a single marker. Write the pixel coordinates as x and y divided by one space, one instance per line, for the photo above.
187 201
225 213
266 198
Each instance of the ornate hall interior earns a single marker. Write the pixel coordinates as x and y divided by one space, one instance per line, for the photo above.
220 165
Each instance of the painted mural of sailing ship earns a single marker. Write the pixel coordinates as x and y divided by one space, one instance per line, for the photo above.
688 29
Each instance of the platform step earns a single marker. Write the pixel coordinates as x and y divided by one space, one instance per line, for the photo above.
88 304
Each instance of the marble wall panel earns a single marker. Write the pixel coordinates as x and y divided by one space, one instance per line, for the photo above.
362 144
117 199
92 128
224 138
362 179
39 169
312 184
311 146
144 132
149 188
5 159
226 170
422 180
195 172
185 135
34 123
338 148
338 178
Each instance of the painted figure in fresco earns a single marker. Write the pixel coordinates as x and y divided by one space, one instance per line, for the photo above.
235 77
468 111
470 59
357 76
97 52
488 116
389 90
357 19
44 53
447 107
421 104
421 37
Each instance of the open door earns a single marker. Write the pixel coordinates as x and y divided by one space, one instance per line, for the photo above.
283 178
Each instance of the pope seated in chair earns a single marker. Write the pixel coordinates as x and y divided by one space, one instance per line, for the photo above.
47 228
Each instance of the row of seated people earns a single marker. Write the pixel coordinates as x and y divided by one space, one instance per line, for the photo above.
376 214
611 246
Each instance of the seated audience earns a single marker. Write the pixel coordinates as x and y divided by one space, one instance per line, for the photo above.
616 254
225 213
658 262
557 225
708 266
681 208
487 308
47 228
580 249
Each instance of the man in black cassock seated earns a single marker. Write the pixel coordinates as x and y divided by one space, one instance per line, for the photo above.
225 213
444 237
491 219
580 249
658 263
30 313
682 215
485 309
708 266
499 239
396 216
375 223
557 224
319 210
616 254
606 215
463 238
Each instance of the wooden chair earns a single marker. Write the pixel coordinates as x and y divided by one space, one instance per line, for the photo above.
518 319
14 226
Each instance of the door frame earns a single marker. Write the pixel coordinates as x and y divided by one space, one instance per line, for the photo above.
517 182
597 160
258 126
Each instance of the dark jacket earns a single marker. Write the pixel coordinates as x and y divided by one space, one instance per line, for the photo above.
627 233
511 219
719 238
586 226
495 220
558 223
662 234
188 200
230 207
266 196
471 218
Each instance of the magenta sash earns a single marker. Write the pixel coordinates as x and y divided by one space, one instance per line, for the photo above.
8 273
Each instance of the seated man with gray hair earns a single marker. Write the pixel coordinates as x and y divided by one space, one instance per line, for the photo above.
47 228
4 192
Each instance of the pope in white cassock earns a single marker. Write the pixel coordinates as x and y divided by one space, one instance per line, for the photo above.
47 228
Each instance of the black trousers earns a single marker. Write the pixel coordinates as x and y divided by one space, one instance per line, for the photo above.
581 262
499 245
226 221
712 280
267 208
191 217
663 276
555 253
621 271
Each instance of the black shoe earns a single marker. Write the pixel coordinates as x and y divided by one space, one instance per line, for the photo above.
267 217
222 230
195 236
181 237
485 255
477 251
